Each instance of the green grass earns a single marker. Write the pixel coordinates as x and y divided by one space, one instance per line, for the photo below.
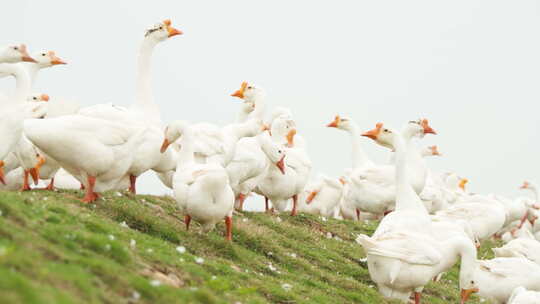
55 249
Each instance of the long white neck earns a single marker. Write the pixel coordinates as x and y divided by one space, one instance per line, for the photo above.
235 131
406 197
535 192
260 107
144 100
23 86
32 69
359 157
187 150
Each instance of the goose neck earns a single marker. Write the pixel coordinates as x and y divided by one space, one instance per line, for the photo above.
359 156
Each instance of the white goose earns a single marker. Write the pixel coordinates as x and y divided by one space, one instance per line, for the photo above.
523 247
202 191
521 295
322 197
144 111
403 254
15 54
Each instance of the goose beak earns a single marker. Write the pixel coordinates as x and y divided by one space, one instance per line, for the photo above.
240 92
55 59
24 54
265 127
427 128
34 172
164 146
342 181
311 196
435 150
462 183
374 134
290 138
2 179
525 185
44 97
172 31
466 293
335 123
281 164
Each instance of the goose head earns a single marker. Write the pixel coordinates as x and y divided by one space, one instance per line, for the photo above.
383 136
250 93
343 123
467 283
282 126
14 54
47 59
462 183
38 98
161 31
172 132
274 152
418 128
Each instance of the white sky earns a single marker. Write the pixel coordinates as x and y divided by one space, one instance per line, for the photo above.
471 67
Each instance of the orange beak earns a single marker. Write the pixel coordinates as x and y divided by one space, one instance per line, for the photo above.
434 150
25 56
44 97
342 181
427 128
281 165
335 123
374 134
265 127
290 138
34 172
525 185
164 146
311 196
240 92
466 293
462 183
2 180
172 31
54 59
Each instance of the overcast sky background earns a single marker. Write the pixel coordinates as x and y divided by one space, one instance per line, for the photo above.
471 67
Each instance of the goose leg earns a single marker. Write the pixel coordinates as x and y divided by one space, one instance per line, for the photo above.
90 194
26 185
228 224
50 186
187 220
358 214
241 198
132 180
295 202
2 180
266 209
417 297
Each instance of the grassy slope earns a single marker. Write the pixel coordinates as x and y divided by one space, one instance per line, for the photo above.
54 249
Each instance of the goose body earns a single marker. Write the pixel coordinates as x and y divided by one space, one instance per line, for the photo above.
520 295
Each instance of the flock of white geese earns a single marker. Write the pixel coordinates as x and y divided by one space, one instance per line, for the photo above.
428 221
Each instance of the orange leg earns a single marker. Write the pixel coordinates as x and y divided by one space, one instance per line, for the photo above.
295 201
358 214
50 186
26 185
187 220
266 209
90 194
417 297
132 180
228 224
241 198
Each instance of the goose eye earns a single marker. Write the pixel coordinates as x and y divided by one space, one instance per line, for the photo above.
161 27
43 54
16 48
472 282
279 151
35 98
250 87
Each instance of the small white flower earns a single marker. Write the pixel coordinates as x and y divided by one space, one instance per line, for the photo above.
194 289
270 253
155 283
1 213
293 255
329 235
132 243
143 200
279 220
135 295
323 219
214 277
118 194
244 220
271 267
181 260
286 287
45 198
124 224
181 249
362 260
149 250
108 247
199 260
111 237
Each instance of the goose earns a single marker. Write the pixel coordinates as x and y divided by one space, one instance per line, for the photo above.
277 187
144 111
373 188
520 295
322 197
202 191
403 254
30 160
15 54
496 279
99 157
251 162
523 247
